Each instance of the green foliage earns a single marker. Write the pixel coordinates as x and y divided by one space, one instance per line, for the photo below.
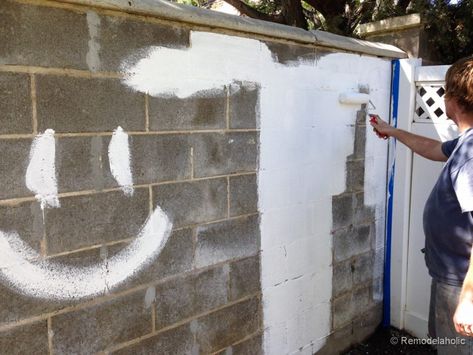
450 29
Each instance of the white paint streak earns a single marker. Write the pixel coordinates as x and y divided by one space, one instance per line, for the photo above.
41 171
93 55
120 160
52 280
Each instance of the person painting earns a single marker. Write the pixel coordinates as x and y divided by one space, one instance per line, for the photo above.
448 213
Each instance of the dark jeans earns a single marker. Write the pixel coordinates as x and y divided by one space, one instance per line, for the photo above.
443 303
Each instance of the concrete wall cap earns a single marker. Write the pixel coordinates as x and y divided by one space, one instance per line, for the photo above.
193 15
389 25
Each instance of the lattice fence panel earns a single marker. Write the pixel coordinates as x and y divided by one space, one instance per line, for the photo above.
430 105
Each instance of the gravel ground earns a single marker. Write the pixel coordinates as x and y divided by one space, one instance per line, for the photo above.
390 341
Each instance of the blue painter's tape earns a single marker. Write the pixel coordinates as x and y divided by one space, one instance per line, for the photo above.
389 215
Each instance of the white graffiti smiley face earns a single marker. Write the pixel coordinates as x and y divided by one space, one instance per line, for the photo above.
39 278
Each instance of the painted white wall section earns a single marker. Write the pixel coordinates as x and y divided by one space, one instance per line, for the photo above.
120 160
306 136
41 171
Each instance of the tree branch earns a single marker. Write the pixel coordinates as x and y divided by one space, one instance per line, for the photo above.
249 11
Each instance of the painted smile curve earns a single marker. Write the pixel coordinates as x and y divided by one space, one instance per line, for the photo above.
24 270
46 279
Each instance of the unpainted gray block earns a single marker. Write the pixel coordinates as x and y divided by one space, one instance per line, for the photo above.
188 296
342 280
98 327
42 36
124 41
160 158
94 219
227 240
365 325
15 103
13 164
252 346
219 153
205 110
245 277
244 105
25 339
349 242
72 104
194 202
355 175
174 341
226 326
243 195
25 219
363 268
342 210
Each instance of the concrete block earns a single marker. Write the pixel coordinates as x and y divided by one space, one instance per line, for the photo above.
342 310
338 341
25 219
79 163
363 214
25 339
351 241
355 175
178 340
244 105
159 158
189 203
292 53
226 326
42 36
100 326
361 117
252 346
365 325
245 277
342 277
342 210
227 240
124 41
363 268
361 300
205 110
13 164
71 104
360 142
219 153
94 219
16 307
15 103
243 195
175 258
188 296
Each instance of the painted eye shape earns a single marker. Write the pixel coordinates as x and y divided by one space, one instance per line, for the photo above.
22 269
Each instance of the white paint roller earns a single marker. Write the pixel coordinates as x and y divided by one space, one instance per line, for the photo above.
353 98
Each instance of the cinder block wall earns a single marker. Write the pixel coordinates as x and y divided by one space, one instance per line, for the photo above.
275 191
196 158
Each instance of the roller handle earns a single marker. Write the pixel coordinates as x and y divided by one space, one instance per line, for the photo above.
374 119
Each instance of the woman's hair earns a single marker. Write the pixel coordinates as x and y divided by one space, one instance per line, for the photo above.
459 83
